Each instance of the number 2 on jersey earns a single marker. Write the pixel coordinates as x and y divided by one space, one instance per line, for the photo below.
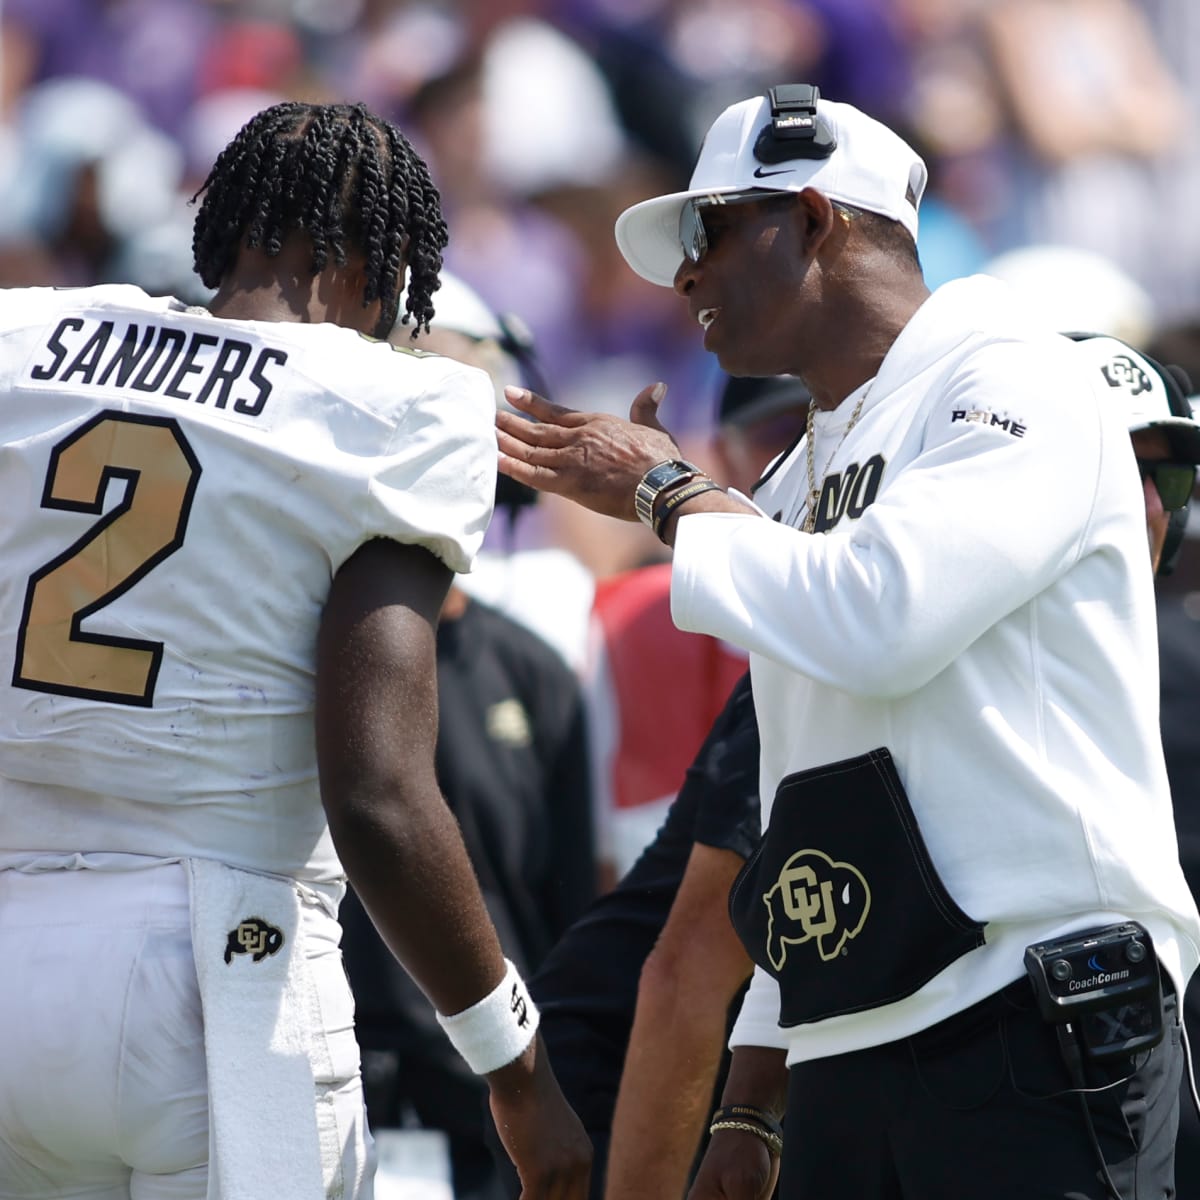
54 653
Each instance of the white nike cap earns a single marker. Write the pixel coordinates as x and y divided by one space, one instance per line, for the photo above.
869 167
1150 397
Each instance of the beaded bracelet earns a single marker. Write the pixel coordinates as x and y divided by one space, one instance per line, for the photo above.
674 499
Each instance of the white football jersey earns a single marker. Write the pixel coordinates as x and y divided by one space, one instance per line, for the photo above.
178 492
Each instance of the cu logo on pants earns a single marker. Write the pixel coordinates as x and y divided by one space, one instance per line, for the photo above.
255 937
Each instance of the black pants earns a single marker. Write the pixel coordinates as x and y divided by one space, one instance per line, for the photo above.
453 1101
974 1107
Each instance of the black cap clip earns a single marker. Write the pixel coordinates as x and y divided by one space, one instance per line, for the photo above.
795 130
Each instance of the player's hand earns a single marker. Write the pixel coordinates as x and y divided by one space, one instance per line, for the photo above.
539 1130
736 1166
594 459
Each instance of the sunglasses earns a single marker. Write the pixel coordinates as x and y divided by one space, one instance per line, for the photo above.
693 237
1174 481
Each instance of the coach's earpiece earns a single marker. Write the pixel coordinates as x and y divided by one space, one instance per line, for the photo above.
795 130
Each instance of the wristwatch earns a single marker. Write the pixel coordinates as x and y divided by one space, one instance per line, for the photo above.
656 480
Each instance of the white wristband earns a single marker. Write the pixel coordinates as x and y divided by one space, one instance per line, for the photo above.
491 1033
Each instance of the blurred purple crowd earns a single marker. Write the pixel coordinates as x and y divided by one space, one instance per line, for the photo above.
1063 138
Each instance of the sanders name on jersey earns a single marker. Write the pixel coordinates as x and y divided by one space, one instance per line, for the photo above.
185 365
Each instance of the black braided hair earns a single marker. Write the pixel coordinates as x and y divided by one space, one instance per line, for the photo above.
349 179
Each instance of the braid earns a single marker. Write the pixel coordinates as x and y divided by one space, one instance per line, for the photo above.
316 195
420 209
348 179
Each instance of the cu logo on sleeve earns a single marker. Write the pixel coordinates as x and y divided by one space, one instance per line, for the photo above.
255 937
815 899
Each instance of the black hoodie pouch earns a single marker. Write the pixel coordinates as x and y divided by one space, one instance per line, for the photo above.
841 902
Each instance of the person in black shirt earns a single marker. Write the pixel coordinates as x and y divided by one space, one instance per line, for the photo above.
587 989
512 764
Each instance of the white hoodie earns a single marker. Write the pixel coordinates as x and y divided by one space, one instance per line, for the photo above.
981 603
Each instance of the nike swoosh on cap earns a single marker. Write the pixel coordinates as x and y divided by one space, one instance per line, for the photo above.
759 173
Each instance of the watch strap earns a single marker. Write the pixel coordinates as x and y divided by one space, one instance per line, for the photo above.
681 495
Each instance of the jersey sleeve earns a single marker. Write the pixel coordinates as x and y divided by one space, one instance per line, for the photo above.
435 483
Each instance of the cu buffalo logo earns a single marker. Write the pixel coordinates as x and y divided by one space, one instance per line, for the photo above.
254 937
1122 371
815 899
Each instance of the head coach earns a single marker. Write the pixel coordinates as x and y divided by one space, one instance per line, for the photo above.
967 914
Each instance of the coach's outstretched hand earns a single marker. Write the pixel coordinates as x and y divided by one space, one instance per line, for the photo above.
595 459
540 1132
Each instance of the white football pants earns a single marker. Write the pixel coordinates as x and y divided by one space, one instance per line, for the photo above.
103 1084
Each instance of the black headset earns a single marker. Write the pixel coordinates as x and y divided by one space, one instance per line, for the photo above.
1178 387
795 131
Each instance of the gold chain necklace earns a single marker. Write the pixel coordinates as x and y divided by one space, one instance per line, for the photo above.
814 492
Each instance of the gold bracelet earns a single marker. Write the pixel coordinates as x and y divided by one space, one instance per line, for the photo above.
773 1141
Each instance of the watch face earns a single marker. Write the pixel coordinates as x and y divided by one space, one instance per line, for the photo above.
653 482
664 473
